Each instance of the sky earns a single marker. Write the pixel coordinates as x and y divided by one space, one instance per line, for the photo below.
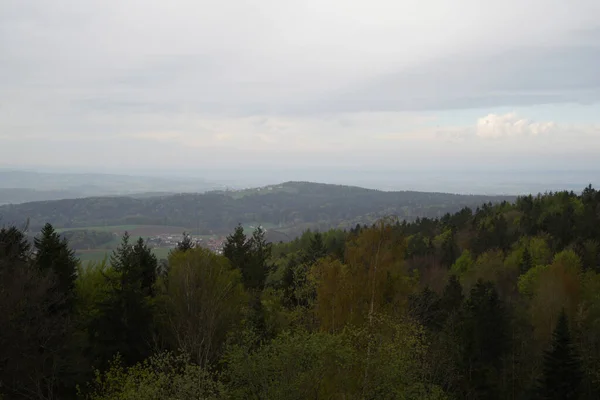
196 87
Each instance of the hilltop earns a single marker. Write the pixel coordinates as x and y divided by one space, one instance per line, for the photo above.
288 208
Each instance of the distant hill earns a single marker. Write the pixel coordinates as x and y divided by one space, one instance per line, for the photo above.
26 186
287 208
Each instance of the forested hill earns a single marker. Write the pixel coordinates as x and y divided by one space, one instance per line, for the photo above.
293 206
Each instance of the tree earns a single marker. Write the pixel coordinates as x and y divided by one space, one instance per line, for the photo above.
205 298
34 324
452 297
526 262
53 254
124 323
163 376
238 250
425 308
316 249
186 243
14 247
562 367
484 341
260 250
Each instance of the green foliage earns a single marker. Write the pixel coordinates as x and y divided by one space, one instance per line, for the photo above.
163 376
463 265
373 313
305 365
293 206
204 300
124 322
562 367
528 281
53 254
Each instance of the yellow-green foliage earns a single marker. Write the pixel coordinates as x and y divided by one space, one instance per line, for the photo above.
463 264
161 377
528 280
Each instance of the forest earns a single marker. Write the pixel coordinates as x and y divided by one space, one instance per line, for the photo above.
292 207
501 301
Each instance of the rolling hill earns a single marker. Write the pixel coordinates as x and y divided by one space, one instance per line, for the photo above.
288 208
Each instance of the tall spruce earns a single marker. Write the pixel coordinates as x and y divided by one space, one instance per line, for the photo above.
53 254
14 247
484 341
238 250
261 253
125 322
562 367
186 243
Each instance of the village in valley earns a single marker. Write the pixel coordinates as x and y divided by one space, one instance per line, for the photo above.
213 243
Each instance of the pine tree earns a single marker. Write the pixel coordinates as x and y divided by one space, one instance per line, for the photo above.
186 243
452 297
125 322
14 247
53 254
484 341
316 249
562 367
425 308
260 254
238 250
526 261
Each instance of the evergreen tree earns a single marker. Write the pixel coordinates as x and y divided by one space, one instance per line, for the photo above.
238 250
526 261
425 308
53 254
316 249
125 322
186 243
449 249
260 254
14 247
452 297
562 367
484 341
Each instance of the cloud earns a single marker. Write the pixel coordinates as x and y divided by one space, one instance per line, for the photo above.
496 126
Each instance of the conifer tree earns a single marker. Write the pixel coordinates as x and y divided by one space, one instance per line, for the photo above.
562 367
125 322
14 247
53 254
186 243
238 250
526 261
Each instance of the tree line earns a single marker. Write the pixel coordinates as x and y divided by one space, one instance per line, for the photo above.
293 205
500 302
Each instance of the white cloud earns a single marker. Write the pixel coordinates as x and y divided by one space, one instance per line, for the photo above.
506 125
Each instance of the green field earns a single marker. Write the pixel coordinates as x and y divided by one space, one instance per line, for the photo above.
133 230
99 254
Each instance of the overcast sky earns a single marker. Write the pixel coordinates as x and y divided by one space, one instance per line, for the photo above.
388 84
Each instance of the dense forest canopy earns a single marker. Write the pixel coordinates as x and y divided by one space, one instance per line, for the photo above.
496 302
294 206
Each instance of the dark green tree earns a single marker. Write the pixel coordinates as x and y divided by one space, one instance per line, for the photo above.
14 247
449 251
260 251
53 254
484 341
526 261
452 297
316 249
237 249
186 243
425 308
562 367
125 321
249 255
